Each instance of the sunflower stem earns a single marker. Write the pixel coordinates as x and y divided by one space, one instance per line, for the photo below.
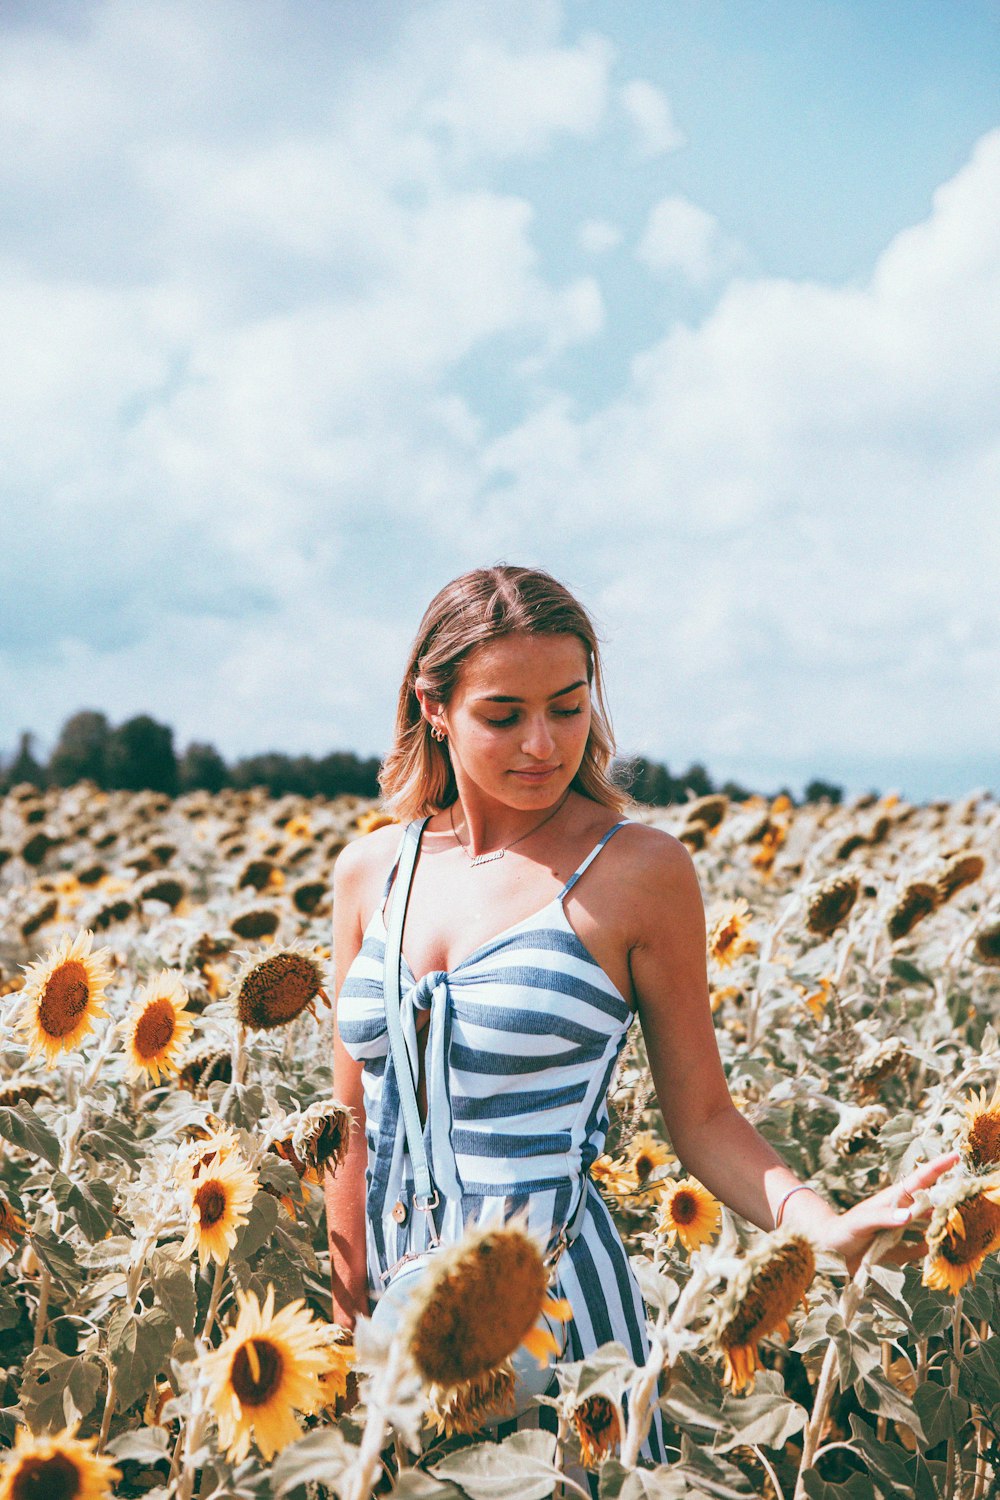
369 1453
42 1311
769 1470
953 1463
850 1301
213 1301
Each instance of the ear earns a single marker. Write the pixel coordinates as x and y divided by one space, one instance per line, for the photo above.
430 709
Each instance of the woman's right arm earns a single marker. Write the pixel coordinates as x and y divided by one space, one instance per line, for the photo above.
345 1190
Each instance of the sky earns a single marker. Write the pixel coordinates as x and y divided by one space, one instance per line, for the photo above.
307 307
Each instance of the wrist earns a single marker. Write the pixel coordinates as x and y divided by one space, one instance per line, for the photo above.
801 1208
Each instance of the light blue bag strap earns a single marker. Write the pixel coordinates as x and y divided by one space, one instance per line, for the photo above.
425 1194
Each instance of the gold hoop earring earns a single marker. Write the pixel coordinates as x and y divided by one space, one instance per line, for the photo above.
438 734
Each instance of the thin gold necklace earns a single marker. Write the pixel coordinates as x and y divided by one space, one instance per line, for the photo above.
485 859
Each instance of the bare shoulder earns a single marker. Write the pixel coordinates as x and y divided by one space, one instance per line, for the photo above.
362 866
657 876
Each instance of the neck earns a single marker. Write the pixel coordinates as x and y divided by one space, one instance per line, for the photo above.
482 828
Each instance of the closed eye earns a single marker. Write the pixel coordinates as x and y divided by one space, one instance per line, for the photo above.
511 719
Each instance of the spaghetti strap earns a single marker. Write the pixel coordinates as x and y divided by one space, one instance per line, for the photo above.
571 882
392 872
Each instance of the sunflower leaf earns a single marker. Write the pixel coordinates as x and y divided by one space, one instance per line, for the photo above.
880 1397
321 1457
48 1376
523 1464
23 1128
908 972
854 1487
88 1205
261 1220
174 1291
138 1348
766 1417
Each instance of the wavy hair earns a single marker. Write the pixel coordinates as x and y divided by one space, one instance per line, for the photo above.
482 606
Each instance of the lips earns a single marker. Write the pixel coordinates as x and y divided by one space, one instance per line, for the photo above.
537 774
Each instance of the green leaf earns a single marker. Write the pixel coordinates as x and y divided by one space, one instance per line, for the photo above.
889 1464
321 1457
47 1376
908 972
262 1218
58 1257
668 1482
522 1465
413 1485
139 1347
276 1173
142 1445
659 1291
89 1205
22 1127
767 1418
856 1487
880 1397
116 1139
979 1375
174 1290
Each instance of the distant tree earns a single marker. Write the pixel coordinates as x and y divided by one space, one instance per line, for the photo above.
24 766
816 790
342 772
734 791
646 781
141 756
81 752
696 781
202 769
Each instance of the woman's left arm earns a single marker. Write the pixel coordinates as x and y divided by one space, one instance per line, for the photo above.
711 1138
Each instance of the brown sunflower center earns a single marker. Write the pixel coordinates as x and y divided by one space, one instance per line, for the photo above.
55 1478
644 1164
684 1207
981 1220
256 1372
984 1139
726 937
157 1025
477 1313
276 990
64 999
210 1200
597 1415
779 1284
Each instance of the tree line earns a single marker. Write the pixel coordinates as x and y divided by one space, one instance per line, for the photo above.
139 755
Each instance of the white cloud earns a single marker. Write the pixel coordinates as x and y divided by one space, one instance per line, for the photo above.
598 236
680 236
508 103
650 115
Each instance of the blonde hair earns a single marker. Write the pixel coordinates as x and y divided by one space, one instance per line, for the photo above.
482 606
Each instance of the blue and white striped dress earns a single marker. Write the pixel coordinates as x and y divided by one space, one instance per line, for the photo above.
523 1038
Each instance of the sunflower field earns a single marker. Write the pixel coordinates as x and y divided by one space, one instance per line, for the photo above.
166 1121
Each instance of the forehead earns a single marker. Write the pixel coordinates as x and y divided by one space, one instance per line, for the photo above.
522 664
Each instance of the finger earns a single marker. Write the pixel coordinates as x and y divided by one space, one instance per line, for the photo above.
923 1176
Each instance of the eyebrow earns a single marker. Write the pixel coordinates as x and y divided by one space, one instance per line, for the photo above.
508 698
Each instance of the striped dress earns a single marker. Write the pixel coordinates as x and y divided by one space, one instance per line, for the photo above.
522 1042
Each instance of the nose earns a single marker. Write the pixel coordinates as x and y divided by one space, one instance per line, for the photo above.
537 741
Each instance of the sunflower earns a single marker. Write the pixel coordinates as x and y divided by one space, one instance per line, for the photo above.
318 1140
980 1140
609 1175
210 1144
62 996
645 1155
268 1367
690 1213
986 944
209 1065
759 1300
598 1428
156 1028
56 1466
12 1226
817 1002
831 903
918 900
372 818
482 1300
857 1129
219 1196
964 1229
726 992
298 827
727 940
958 872
256 922
269 992
879 1063
16 1089
709 810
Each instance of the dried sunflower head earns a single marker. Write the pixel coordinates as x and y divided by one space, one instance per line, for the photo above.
958 872
727 938
598 1428
485 1297
918 899
768 1286
858 1129
986 944
879 1063
831 904
269 992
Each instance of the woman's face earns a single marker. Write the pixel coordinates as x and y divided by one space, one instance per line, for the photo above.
519 718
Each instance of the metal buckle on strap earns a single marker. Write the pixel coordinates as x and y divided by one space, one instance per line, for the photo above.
402 1261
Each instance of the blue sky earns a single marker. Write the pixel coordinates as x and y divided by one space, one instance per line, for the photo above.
309 307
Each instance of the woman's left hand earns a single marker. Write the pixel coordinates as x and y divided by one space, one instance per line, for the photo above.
851 1233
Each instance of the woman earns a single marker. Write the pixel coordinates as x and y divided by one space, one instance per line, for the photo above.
539 924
